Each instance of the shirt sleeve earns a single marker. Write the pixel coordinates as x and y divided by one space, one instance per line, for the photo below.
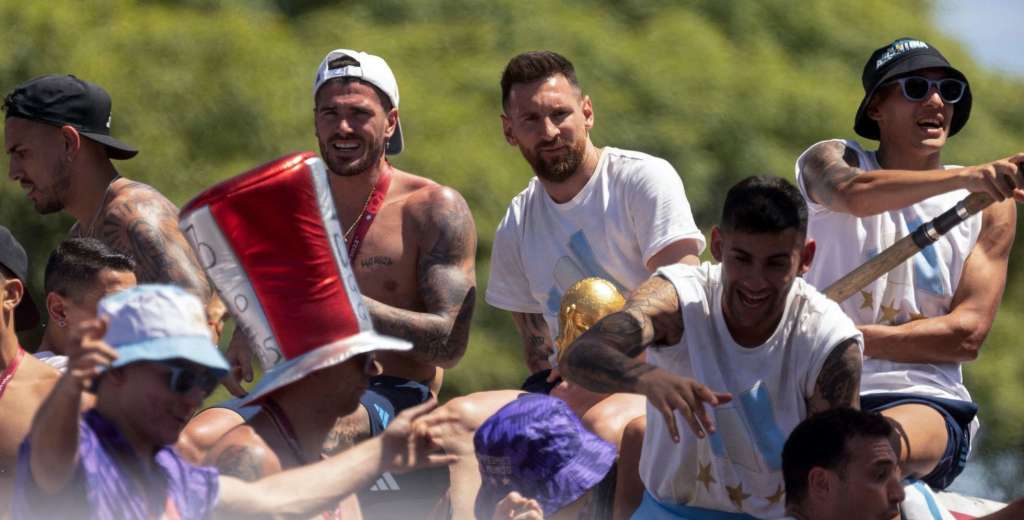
508 287
29 501
833 328
659 209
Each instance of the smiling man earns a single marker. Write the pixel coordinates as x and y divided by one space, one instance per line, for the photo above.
773 349
929 315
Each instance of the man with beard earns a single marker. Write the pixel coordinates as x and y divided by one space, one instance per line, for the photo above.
58 139
773 348
605 212
410 240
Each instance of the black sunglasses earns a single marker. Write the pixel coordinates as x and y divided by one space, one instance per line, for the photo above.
916 88
181 380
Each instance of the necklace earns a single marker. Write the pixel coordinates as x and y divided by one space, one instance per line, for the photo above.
11 369
99 209
359 217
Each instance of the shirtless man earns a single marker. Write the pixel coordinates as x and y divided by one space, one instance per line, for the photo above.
24 380
78 273
58 139
924 318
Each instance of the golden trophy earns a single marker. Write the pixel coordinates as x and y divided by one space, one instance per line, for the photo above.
586 302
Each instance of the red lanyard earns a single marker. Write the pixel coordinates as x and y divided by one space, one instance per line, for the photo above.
373 205
8 373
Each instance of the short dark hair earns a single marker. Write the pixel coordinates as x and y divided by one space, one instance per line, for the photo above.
385 101
534 66
764 204
76 262
821 441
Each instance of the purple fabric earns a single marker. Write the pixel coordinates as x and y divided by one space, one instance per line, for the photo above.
535 445
108 484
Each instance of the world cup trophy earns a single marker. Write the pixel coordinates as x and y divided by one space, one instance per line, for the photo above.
586 302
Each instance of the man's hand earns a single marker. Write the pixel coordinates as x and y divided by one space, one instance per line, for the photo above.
88 354
668 392
239 356
1000 179
517 507
405 447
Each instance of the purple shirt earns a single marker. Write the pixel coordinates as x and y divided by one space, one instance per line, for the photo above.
108 482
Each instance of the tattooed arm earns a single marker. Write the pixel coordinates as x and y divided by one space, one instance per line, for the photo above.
833 177
141 222
603 359
446 278
537 344
243 454
838 383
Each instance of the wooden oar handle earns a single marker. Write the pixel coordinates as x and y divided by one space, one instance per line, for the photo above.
906 247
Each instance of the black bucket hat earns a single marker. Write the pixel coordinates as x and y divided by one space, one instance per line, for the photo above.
67 100
13 257
899 59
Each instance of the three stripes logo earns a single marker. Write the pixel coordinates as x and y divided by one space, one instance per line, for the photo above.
386 482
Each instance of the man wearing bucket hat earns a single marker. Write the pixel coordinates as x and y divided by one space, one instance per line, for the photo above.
151 370
24 380
57 134
929 315
535 454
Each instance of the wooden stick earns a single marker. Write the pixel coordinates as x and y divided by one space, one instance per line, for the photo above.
906 247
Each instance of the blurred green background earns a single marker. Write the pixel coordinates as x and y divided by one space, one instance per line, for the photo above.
210 88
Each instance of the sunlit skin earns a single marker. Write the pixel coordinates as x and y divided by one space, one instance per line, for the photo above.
550 120
919 129
757 271
150 415
68 311
869 487
352 126
43 175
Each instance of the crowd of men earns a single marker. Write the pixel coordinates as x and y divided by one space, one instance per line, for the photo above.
660 386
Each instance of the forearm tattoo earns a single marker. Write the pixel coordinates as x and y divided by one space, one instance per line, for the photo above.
827 168
447 285
838 383
241 462
537 343
603 358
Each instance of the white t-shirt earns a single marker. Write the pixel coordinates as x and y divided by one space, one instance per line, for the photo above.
630 209
738 468
54 360
921 287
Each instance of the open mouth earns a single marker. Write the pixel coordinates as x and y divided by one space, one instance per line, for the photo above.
930 124
753 300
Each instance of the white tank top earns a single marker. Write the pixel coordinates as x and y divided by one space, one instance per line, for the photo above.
738 468
920 287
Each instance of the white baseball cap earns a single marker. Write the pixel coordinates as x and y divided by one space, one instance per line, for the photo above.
369 68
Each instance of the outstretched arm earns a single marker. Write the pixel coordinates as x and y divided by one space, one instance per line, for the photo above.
144 224
54 433
834 178
957 336
838 382
603 359
446 276
315 487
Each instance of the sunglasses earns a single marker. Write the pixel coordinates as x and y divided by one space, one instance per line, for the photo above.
916 88
181 380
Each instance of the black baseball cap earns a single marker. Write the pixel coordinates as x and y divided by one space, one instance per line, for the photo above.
14 259
899 59
66 100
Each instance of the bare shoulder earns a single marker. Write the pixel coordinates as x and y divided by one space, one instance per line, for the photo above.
141 198
242 453
424 197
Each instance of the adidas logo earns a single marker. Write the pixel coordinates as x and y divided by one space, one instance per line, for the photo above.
386 482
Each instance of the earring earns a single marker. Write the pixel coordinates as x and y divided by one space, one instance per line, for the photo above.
62 324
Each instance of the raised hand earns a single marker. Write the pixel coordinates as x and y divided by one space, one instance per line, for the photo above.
1000 179
406 447
517 507
239 356
88 354
668 393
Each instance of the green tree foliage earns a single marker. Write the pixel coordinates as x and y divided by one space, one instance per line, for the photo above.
210 88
